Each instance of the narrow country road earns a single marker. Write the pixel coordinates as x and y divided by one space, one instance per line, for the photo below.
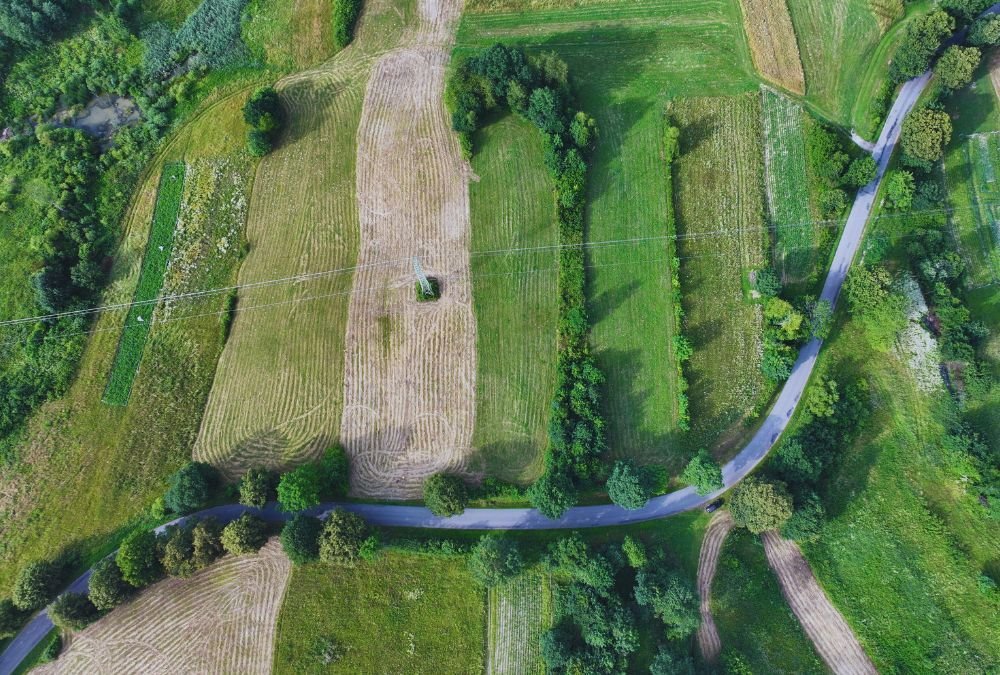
605 515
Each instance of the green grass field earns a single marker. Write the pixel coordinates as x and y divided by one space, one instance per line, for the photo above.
626 60
787 187
721 225
401 613
154 266
973 172
752 616
515 298
907 541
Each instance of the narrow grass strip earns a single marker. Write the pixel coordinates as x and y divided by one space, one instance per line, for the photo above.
154 265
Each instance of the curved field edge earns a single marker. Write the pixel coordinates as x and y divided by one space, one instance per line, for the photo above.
222 619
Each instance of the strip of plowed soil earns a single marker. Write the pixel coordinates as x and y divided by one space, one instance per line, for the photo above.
708 560
834 640
410 367
221 620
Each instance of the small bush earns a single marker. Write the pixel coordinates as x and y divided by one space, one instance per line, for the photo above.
191 487
52 649
73 611
256 487
300 538
107 587
345 15
343 535
247 534
445 494
494 560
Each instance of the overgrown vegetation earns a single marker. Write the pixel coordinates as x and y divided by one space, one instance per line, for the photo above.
345 15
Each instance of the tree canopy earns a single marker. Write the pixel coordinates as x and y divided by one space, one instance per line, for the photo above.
760 505
343 534
35 585
704 473
494 559
107 587
247 534
300 538
926 133
629 486
671 598
137 558
73 611
445 494
957 65
256 487
924 36
191 487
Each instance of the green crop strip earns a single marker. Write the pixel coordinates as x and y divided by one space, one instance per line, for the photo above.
154 265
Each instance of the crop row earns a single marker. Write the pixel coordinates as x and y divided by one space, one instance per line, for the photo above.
154 266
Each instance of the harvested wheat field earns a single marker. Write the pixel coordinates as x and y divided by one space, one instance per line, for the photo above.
772 41
410 367
708 560
221 620
834 640
277 395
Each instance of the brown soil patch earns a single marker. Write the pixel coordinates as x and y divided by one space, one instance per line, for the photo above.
708 560
834 640
410 368
773 46
221 620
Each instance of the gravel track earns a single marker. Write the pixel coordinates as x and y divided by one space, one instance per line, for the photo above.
708 560
834 640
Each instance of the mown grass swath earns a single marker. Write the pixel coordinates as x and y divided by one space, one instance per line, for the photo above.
787 186
154 266
514 297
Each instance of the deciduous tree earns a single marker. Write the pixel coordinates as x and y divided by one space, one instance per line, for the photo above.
760 505
957 65
300 538
107 587
925 134
247 534
494 559
343 535
137 558
671 598
35 585
630 486
73 611
445 494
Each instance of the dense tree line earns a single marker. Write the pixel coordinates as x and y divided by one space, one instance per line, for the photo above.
538 89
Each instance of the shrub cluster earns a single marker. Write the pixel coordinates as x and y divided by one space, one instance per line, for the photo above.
595 626
263 113
680 345
538 90
345 15
209 37
832 171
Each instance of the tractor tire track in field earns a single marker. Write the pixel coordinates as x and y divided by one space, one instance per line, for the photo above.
277 396
834 640
223 619
708 560
410 367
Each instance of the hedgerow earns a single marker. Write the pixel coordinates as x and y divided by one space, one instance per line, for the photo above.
345 15
538 90
681 346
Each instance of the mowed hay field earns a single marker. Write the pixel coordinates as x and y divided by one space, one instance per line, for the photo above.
220 620
410 366
88 471
515 297
519 612
973 174
720 222
402 613
278 391
773 44
626 60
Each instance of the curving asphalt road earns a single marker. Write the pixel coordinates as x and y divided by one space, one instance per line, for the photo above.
605 515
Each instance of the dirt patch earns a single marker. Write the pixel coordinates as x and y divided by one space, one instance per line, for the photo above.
708 560
834 640
409 394
221 620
